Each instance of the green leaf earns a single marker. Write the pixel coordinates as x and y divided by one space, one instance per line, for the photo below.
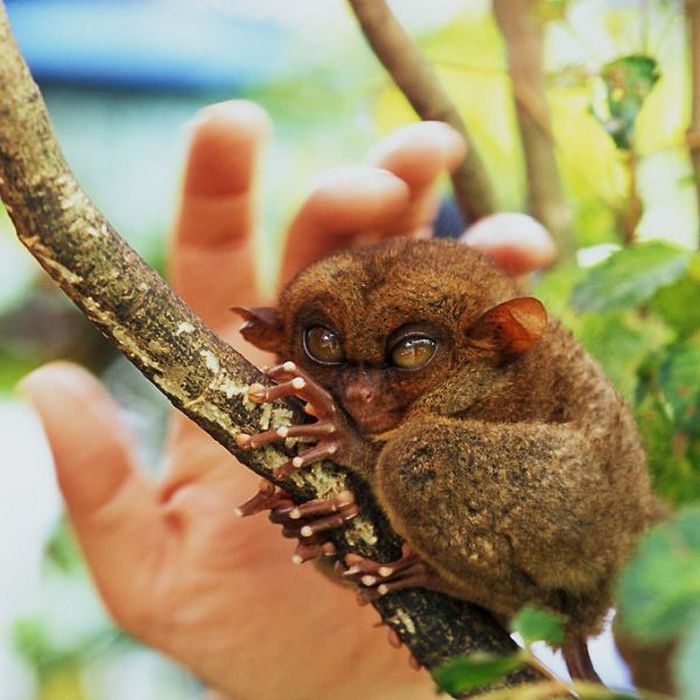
679 303
534 625
686 665
475 671
630 277
668 414
659 591
679 378
621 342
670 457
627 81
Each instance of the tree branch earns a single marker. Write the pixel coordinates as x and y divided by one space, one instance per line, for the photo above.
416 78
200 374
523 34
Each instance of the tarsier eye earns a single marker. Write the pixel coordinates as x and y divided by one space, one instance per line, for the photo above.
323 345
413 352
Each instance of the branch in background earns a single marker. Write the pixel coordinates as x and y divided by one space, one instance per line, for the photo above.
416 79
200 374
630 216
523 33
692 14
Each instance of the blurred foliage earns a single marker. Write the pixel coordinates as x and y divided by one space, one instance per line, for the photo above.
475 671
659 595
628 82
58 640
533 625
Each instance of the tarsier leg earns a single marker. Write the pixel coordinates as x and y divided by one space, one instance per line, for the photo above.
268 497
578 661
328 430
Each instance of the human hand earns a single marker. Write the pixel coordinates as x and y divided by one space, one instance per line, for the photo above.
173 564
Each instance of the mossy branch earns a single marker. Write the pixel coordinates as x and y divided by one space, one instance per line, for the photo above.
200 374
416 79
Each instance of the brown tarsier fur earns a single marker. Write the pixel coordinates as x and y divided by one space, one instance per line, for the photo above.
508 462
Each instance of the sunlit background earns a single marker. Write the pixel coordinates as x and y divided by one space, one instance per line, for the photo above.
122 79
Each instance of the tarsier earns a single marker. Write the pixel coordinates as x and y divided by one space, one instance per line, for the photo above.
497 448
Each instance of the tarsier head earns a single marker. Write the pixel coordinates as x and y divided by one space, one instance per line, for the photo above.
384 326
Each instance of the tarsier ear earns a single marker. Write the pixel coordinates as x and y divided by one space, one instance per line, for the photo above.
262 327
510 328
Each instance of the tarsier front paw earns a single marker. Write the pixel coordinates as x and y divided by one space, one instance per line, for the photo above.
305 521
329 430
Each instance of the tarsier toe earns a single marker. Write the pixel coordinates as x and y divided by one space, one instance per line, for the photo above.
377 579
394 639
268 497
324 506
414 663
306 552
322 450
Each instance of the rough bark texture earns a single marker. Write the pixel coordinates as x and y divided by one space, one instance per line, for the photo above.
200 374
692 13
417 80
523 34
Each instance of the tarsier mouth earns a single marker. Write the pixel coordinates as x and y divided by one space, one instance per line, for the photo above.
375 423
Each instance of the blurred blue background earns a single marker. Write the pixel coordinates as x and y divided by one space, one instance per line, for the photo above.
151 44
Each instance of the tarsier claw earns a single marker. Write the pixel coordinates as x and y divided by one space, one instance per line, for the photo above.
305 552
243 440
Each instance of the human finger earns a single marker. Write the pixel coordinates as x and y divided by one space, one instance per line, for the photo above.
346 201
212 261
419 153
515 242
362 205
111 505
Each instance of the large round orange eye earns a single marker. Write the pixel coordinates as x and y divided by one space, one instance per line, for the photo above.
323 345
413 352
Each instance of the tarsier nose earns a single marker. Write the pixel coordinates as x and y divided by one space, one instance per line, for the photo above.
360 393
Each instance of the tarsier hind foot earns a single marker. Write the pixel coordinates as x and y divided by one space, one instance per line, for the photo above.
376 579
305 521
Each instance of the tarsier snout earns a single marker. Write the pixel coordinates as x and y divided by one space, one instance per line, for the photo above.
362 391
364 396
